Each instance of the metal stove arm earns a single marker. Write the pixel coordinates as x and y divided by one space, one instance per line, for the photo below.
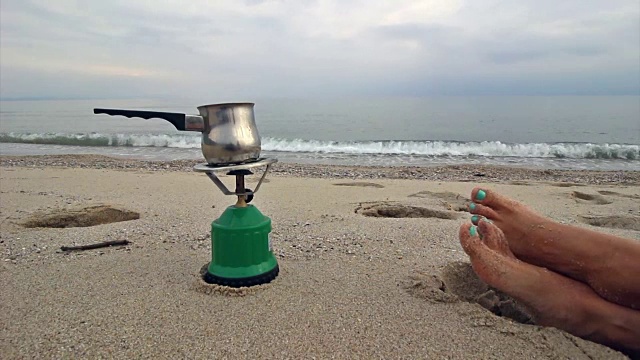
226 191
219 183
207 169
264 174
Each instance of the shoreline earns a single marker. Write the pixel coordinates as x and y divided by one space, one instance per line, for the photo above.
459 173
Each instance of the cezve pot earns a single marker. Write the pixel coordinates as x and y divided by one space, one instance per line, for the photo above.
229 132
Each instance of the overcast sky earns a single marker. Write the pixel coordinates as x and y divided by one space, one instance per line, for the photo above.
305 48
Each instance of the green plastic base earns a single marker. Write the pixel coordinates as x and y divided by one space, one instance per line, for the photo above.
240 247
242 282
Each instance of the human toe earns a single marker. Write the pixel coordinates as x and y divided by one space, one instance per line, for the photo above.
469 238
487 229
488 198
489 265
493 237
482 211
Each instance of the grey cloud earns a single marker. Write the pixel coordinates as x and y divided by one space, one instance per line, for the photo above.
251 51
510 57
414 31
530 52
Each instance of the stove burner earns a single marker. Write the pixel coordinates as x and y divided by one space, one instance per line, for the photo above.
205 167
240 171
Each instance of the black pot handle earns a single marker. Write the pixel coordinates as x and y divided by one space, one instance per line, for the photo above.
177 119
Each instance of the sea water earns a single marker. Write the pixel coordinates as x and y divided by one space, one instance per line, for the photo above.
571 132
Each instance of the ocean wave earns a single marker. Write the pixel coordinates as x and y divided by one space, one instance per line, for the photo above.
455 148
185 141
412 148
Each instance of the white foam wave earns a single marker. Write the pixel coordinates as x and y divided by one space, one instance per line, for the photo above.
184 141
449 148
411 148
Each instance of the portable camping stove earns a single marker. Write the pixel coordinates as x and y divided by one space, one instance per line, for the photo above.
240 249
241 253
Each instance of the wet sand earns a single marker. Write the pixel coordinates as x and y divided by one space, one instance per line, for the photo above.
370 266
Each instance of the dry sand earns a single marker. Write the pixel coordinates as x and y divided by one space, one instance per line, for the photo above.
354 283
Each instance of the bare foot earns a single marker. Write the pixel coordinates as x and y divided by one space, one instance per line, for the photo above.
517 222
553 299
607 263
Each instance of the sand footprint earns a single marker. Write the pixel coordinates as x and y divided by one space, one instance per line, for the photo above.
519 182
613 193
615 221
450 200
593 198
360 184
403 211
458 282
610 221
563 184
83 217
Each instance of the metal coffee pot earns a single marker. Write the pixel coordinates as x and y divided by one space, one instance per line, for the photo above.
229 131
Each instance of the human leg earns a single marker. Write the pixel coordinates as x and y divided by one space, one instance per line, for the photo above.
553 299
607 263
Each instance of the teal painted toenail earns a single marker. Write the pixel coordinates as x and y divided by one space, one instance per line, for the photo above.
472 231
475 218
472 206
481 195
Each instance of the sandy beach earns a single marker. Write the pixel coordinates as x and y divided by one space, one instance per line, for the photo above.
354 282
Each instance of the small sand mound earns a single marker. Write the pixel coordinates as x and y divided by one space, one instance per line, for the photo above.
519 182
88 216
564 184
204 287
461 280
361 184
595 198
429 287
450 200
446 195
459 283
616 222
404 211
606 192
